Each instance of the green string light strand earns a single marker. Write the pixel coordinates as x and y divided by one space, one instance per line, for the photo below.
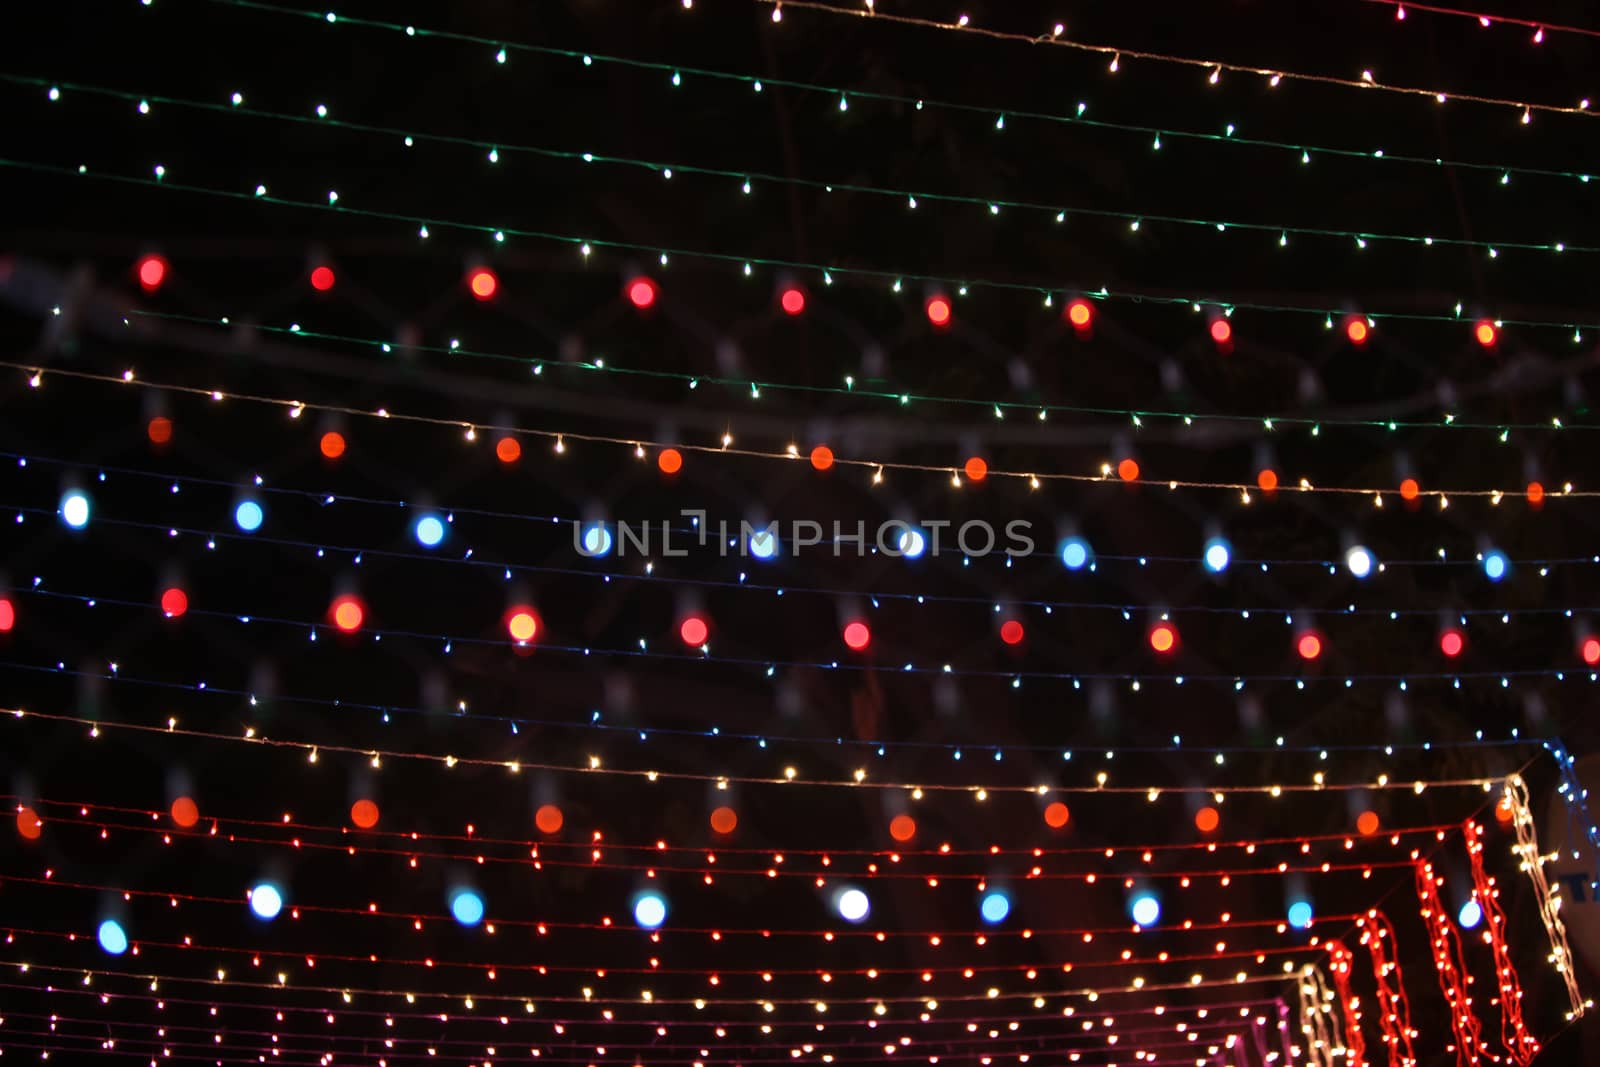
897 279
1304 151
496 150
1367 81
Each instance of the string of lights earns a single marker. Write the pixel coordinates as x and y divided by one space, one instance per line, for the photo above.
1320 1023
678 73
1521 1046
347 616
1218 311
880 747
670 454
1341 964
1485 19
497 152
791 776
1451 966
1215 68
1546 897
1394 1007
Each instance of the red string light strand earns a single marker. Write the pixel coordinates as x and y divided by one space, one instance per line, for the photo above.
1451 966
1519 1044
1215 66
1487 19
1032 478
1342 961
1394 1009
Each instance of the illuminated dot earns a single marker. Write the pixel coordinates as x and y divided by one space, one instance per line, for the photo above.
429 531
1128 470
650 911
1409 489
724 820
1495 565
1075 553
694 630
938 309
793 301
1367 823
1485 333
347 614
1359 560
1079 313
332 444
1206 820
522 624
185 812
902 828
1503 811
1356 330
995 907
1221 331
1056 815
322 279
911 543
112 938
8 615
822 457
857 636
247 516
75 510
467 907
364 813
1146 910
152 272
642 292
1300 915
1011 632
1309 646
763 544
483 283
670 461
160 430
1451 643
1163 638
1217 555
1470 915
1267 479
508 450
1535 493
174 602
1591 650
548 819
29 825
596 540
853 905
266 901
977 470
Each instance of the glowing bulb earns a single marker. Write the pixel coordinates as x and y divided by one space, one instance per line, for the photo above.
266 901
1217 555
938 309
1075 553
1146 910
467 907
75 510
763 544
1495 564
429 531
853 905
995 907
248 515
650 911
112 937
596 540
1470 915
1300 915
912 543
857 636
1359 560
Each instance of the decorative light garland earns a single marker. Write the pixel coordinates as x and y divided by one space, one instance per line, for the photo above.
1451 965
1342 962
1319 1019
1520 1045
1546 897
1394 1010
670 453
1215 67
993 205
1485 19
1487 330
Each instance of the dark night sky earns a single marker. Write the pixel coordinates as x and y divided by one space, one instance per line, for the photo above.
400 331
